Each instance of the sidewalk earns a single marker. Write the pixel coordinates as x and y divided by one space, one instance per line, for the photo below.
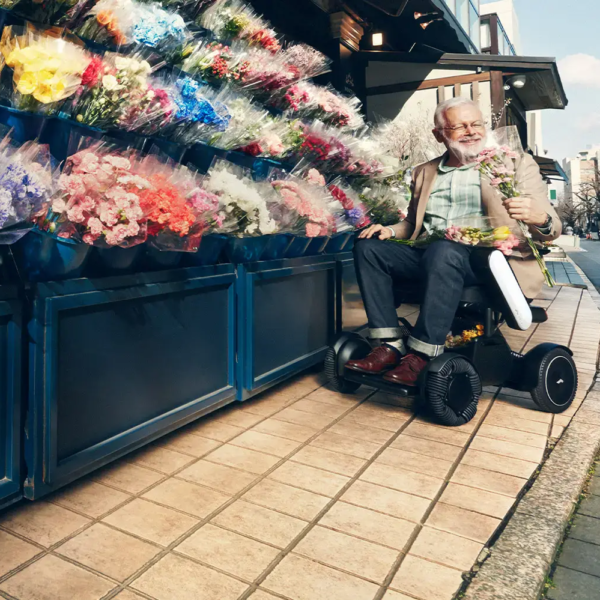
299 494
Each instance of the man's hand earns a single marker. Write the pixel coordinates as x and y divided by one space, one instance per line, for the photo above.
383 233
520 210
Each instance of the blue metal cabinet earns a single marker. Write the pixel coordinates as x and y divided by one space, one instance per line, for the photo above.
286 319
350 310
10 396
115 363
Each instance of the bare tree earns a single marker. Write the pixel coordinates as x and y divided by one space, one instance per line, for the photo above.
570 214
588 197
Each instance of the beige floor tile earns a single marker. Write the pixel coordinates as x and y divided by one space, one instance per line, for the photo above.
187 497
128 477
218 477
302 579
402 480
110 552
320 408
242 458
90 498
392 595
52 578
519 424
176 578
347 553
345 445
238 418
499 464
289 431
309 478
328 460
446 549
260 523
437 434
160 459
151 522
414 462
378 420
562 420
260 595
473 526
557 431
426 580
512 410
228 551
426 447
391 502
190 443
43 523
476 500
287 499
509 449
14 553
512 435
263 442
300 417
332 397
215 430
358 431
127 595
369 525
488 480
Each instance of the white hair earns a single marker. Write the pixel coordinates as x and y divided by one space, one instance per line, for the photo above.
439 118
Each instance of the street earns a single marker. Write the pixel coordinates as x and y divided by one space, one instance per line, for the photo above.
589 261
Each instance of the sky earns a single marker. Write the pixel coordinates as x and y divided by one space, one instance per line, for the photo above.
568 31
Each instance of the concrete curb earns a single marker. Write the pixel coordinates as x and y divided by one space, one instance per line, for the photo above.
523 554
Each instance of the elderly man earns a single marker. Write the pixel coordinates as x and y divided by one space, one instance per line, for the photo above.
446 190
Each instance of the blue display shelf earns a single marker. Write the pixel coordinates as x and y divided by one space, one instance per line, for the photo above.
286 319
115 363
10 396
350 310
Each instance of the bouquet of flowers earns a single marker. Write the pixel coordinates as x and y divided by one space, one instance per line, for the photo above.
384 205
47 12
499 165
27 184
236 20
245 202
354 209
114 90
46 69
216 63
99 198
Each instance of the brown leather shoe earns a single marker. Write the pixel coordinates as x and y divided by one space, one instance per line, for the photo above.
383 358
407 373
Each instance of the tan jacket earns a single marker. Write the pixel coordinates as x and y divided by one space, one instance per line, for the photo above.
530 184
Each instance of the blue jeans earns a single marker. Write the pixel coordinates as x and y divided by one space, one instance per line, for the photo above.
384 268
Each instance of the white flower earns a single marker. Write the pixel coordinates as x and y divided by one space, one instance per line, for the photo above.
110 83
122 63
144 67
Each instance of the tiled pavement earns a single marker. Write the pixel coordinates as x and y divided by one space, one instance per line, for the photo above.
299 494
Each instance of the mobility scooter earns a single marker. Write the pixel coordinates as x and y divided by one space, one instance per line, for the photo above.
451 385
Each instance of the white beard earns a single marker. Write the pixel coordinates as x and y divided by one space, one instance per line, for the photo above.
465 154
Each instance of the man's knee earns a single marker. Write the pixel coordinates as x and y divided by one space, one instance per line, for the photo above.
444 254
368 250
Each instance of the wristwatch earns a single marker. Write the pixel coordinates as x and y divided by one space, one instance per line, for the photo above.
546 228
392 231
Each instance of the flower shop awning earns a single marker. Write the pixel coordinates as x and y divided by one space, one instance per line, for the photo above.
551 169
543 88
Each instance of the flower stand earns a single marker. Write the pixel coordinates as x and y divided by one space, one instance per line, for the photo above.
277 246
209 252
245 250
317 245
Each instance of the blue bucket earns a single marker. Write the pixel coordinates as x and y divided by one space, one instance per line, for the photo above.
337 243
160 260
41 256
246 250
59 134
26 126
113 261
202 155
298 247
317 245
350 245
277 246
209 252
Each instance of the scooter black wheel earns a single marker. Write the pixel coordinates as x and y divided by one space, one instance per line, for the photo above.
555 379
335 381
451 389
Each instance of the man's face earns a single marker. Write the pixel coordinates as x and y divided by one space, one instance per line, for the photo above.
463 133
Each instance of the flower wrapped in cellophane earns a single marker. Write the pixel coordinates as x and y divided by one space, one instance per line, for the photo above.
245 201
216 63
99 197
356 213
236 20
115 90
47 12
46 68
27 183
384 204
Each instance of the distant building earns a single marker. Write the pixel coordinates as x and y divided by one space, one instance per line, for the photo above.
581 170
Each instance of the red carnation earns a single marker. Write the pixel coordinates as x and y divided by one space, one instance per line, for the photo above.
92 73
253 149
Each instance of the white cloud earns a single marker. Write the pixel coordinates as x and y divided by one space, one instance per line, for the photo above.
580 69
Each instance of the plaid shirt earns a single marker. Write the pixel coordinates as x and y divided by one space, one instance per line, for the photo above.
455 198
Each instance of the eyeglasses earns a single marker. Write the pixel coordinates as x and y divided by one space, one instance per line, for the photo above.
478 126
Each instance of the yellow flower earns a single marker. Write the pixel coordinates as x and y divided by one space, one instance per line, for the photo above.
27 83
43 93
501 233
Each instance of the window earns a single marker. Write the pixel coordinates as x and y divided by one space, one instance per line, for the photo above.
451 5
474 25
552 194
462 13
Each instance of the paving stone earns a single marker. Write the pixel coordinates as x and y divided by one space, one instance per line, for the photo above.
581 556
590 507
586 529
595 486
573 585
